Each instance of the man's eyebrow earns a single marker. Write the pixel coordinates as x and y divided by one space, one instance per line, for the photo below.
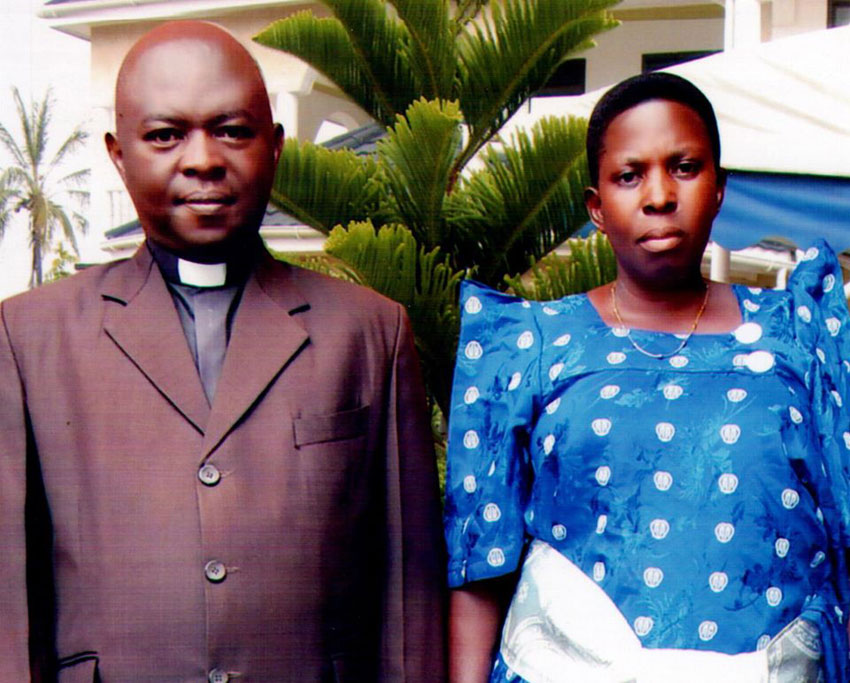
235 114
216 120
163 118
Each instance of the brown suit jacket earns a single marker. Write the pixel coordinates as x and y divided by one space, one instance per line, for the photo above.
325 517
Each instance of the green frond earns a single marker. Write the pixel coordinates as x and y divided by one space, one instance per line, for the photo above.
361 49
390 262
323 188
82 197
11 146
18 177
466 11
71 144
431 51
514 50
40 123
321 263
75 179
524 202
80 222
57 216
590 263
417 157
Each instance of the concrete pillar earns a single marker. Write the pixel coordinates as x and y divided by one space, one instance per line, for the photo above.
747 22
720 261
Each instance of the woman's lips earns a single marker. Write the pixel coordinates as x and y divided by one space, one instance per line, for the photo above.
662 240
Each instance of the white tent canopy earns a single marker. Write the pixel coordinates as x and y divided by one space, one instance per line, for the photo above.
782 107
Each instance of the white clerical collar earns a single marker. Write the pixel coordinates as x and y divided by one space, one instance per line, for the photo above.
201 274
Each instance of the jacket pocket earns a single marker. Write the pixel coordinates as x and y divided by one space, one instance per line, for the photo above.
79 668
347 424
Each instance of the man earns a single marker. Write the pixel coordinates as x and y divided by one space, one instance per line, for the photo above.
214 466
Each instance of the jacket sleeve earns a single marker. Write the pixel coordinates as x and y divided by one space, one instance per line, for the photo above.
413 638
14 629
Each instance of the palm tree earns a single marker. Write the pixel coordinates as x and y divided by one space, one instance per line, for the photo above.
30 183
444 197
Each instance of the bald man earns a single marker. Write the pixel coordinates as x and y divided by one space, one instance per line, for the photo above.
214 466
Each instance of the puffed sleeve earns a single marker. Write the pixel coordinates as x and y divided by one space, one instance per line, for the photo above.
822 329
496 382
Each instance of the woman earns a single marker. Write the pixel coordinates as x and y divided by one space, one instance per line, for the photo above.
665 458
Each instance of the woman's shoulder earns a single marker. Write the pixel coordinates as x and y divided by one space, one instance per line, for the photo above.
475 297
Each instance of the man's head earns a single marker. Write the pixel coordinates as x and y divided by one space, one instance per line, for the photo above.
194 143
656 85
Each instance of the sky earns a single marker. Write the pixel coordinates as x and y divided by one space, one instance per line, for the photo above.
35 57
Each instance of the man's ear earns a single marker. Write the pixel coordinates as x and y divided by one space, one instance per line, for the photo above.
114 150
593 203
278 141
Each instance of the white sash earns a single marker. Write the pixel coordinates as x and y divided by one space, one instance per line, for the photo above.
563 628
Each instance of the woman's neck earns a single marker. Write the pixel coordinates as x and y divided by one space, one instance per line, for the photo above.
669 309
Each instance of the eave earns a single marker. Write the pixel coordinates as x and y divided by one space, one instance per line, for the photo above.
77 17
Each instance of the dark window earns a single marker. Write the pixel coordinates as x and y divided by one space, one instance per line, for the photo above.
568 79
839 13
661 60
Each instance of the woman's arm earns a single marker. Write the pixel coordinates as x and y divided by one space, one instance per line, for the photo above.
476 612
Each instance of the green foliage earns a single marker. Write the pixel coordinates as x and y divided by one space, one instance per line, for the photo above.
511 53
442 77
524 202
30 183
389 261
62 265
590 264
418 154
322 187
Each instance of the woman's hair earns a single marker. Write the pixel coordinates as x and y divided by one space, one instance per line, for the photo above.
656 85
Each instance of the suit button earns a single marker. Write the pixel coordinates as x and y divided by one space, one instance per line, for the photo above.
215 571
209 475
219 676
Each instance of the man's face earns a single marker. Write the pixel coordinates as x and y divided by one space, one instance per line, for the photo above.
658 190
195 145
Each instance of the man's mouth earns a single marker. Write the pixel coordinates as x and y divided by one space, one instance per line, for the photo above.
206 203
661 240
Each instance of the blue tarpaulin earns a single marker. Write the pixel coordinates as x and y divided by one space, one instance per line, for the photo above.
778 205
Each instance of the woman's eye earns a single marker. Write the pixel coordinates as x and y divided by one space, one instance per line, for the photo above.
687 168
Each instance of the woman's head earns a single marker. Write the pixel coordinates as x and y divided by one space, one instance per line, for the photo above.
657 183
656 85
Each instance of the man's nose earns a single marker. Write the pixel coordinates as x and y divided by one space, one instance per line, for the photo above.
201 157
659 192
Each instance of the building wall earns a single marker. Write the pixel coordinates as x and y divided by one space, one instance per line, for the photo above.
302 99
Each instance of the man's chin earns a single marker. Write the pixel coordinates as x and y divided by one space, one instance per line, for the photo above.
206 244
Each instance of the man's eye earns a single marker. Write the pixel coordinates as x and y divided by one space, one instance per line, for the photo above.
163 136
627 178
234 132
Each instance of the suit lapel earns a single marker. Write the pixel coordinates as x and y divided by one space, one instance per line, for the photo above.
142 320
264 339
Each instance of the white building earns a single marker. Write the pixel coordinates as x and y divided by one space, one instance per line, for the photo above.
653 34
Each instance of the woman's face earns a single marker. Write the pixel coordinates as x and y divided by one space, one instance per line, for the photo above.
658 191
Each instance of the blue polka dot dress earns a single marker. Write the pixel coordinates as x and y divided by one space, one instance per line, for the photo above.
705 492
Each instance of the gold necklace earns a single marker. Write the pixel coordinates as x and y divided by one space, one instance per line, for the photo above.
637 346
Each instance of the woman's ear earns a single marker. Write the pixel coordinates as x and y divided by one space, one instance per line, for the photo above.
593 204
721 186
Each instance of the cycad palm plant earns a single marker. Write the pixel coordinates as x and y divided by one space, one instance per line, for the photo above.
445 197
30 183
